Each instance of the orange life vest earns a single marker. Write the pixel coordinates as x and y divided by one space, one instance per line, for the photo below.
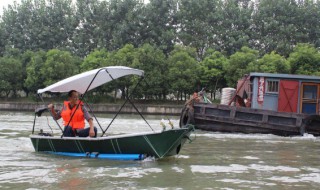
77 121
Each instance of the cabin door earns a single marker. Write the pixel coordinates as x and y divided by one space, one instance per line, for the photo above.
310 97
288 96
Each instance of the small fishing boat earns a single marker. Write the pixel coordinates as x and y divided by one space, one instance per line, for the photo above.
157 144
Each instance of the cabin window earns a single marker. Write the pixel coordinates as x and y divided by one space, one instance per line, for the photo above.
272 86
310 92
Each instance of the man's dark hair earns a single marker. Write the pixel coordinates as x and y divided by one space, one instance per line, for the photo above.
70 93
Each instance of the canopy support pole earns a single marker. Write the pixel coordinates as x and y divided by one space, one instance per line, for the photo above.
127 99
93 114
51 114
140 114
34 122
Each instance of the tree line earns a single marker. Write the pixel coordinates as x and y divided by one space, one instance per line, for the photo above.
182 45
178 74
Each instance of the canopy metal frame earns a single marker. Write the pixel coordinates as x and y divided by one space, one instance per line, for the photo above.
82 98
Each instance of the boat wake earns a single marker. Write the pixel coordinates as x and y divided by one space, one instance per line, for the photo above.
218 135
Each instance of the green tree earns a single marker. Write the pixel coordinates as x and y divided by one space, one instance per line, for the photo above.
158 24
10 75
46 68
125 56
237 65
310 11
88 33
107 24
126 19
34 79
3 40
38 24
96 59
153 61
235 29
58 65
305 59
182 71
199 24
279 25
270 63
25 58
211 71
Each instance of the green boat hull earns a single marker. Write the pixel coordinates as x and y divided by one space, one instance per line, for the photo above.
157 144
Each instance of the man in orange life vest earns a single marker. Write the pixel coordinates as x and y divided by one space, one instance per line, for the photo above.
75 127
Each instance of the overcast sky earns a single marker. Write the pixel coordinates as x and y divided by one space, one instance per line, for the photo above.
5 3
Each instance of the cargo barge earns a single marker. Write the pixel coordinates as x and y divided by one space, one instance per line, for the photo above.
279 104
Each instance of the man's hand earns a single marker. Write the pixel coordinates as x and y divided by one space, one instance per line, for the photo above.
91 132
50 106
51 109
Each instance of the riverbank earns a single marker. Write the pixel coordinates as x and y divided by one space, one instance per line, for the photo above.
100 108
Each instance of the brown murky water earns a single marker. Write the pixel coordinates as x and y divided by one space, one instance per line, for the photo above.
211 161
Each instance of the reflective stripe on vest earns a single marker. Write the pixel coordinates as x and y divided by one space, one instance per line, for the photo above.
77 121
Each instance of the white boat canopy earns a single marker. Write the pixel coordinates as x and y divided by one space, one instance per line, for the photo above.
81 81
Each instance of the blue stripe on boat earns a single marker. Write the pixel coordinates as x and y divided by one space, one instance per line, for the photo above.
101 156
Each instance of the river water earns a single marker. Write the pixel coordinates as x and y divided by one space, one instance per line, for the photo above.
210 161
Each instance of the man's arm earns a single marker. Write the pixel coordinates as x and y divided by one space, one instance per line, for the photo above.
55 115
90 121
91 132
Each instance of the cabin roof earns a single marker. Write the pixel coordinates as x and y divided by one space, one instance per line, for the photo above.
286 76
